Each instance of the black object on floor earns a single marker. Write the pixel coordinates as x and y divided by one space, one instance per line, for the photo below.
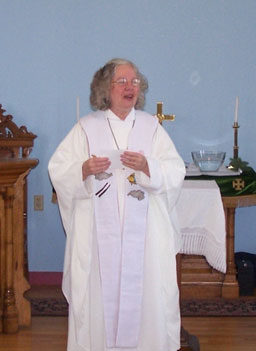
246 272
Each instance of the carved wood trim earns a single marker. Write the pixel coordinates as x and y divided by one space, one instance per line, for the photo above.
15 142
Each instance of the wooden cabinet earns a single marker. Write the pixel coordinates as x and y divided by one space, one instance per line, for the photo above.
15 144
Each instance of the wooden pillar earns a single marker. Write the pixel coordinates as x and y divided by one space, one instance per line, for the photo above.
10 313
2 262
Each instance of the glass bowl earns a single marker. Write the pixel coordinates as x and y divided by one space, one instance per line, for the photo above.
208 161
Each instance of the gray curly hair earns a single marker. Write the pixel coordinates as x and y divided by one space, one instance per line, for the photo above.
101 82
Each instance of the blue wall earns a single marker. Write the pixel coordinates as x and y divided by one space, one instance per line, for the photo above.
197 55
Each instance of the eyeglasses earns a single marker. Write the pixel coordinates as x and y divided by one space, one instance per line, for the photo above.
124 81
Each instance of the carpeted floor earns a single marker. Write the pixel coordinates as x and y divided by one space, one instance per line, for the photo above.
49 301
219 307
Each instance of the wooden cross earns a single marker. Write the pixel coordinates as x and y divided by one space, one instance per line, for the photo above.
161 117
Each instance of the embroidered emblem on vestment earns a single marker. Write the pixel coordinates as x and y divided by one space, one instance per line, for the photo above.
132 179
138 194
103 175
103 190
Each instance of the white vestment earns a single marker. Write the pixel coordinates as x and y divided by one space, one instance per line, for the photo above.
160 319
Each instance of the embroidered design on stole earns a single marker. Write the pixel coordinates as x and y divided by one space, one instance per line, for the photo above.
138 194
103 175
103 190
132 179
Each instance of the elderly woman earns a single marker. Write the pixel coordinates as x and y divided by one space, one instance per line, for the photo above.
117 176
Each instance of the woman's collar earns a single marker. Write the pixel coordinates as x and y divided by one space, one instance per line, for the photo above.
112 116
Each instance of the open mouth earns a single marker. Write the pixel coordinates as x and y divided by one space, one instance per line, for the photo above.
128 96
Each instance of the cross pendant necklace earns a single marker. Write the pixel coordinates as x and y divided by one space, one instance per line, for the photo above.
113 135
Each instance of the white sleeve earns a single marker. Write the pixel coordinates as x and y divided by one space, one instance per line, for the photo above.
65 170
166 167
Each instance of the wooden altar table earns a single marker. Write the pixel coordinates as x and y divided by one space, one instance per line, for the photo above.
207 227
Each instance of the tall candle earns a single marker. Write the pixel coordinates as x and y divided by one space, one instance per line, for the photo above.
77 109
236 110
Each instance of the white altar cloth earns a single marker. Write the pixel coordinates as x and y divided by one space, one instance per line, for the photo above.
202 222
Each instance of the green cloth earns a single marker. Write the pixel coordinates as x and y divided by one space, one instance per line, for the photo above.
244 184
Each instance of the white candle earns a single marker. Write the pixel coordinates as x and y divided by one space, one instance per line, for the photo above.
77 109
236 110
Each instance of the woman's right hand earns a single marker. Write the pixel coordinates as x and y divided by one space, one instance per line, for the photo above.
95 165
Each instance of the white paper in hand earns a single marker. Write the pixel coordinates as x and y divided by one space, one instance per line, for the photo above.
114 157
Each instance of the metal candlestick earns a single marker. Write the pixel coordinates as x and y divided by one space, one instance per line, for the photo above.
235 147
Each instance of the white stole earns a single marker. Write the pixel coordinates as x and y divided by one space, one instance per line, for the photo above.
121 255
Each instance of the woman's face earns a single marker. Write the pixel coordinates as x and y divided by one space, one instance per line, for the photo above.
123 97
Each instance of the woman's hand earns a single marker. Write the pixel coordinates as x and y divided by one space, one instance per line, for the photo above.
95 165
136 161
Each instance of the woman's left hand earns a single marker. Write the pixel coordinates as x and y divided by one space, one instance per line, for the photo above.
136 161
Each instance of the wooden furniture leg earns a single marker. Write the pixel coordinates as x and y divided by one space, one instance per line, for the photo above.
230 288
